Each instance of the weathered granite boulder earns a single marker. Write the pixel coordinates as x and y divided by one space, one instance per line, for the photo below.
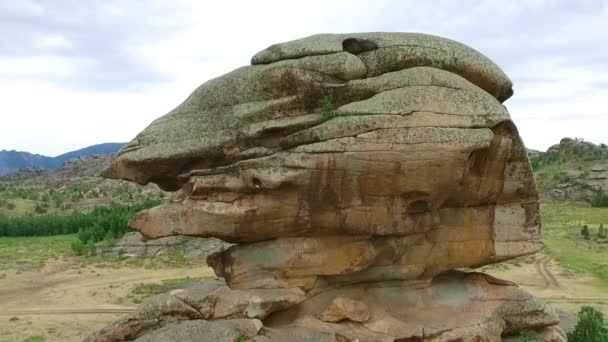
353 171
135 245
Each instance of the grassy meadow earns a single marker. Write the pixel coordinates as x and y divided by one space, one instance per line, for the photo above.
563 223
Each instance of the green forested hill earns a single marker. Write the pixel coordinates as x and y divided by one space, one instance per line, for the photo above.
76 186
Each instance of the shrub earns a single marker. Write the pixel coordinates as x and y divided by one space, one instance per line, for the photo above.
600 200
561 178
327 107
90 248
601 232
78 247
585 232
39 209
590 326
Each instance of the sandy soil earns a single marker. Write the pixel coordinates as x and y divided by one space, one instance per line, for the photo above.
561 288
63 303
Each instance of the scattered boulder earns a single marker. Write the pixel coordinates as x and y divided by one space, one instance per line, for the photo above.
136 245
211 299
353 173
155 313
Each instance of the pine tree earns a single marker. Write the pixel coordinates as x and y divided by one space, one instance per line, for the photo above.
601 233
585 232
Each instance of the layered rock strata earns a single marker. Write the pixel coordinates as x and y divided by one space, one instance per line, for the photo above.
354 172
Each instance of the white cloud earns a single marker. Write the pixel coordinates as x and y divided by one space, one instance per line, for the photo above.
53 41
74 75
39 67
42 117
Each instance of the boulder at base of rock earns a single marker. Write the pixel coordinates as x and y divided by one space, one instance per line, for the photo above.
471 306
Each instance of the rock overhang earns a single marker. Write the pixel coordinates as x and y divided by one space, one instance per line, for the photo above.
416 143
253 110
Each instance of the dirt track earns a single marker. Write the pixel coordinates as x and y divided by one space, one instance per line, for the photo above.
585 300
63 302
65 312
542 267
562 288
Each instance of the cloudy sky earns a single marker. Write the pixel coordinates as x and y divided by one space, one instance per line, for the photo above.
77 73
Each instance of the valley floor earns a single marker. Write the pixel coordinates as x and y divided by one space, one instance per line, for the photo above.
66 297
562 288
49 294
64 303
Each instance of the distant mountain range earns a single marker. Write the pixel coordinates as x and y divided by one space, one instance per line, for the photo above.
12 161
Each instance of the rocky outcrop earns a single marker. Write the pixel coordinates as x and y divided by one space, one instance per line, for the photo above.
354 172
582 185
582 170
135 245
78 186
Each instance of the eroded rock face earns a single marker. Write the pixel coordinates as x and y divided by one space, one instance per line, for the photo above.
338 160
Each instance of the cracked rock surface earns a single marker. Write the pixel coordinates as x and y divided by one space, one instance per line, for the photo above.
353 173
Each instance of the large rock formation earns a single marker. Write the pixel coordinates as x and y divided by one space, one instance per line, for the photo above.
354 173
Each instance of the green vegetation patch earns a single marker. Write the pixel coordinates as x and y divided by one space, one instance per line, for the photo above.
31 253
35 339
590 327
549 167
93 226
16 207
600 200
565 241
328 110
